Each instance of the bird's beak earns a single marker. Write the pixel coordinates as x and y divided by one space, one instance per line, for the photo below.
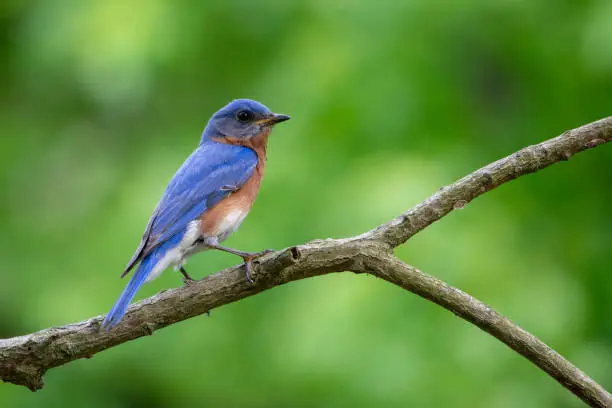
274 119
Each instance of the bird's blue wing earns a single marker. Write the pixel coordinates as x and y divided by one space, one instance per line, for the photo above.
206 177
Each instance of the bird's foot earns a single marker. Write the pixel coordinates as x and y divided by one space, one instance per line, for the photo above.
247 257
248 262
187 280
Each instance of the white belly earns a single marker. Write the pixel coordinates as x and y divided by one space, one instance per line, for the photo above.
179 254
230 223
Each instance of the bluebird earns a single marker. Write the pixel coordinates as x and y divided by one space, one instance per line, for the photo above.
206 200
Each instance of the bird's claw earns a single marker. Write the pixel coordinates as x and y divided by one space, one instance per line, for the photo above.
248 263
248 267
187 280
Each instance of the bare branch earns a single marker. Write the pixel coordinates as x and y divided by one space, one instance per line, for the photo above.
25 359
465 306
525 161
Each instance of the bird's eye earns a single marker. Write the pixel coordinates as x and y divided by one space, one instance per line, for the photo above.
244 116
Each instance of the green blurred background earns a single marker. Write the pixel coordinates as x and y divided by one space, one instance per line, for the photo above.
101 101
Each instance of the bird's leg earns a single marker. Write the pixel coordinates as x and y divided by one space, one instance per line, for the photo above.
247 257
188 281
186 278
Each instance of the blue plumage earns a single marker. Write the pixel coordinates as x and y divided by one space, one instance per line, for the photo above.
209 175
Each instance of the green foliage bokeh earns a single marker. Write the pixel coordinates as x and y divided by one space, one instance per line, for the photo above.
101 100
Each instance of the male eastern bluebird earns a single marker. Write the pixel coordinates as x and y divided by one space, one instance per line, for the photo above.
207 199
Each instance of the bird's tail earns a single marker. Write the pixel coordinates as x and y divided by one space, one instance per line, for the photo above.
139 277
154 260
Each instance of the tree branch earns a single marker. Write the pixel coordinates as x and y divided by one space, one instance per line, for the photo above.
465 306
525 161
25 359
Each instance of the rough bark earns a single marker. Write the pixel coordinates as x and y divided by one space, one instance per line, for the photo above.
25 359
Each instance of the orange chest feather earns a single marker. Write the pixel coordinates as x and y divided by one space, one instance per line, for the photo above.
225 216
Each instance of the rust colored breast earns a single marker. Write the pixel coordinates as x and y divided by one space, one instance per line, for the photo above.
225 216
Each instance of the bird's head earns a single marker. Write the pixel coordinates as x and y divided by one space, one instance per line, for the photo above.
241 120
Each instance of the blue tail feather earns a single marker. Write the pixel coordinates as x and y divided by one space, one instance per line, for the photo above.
141 274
